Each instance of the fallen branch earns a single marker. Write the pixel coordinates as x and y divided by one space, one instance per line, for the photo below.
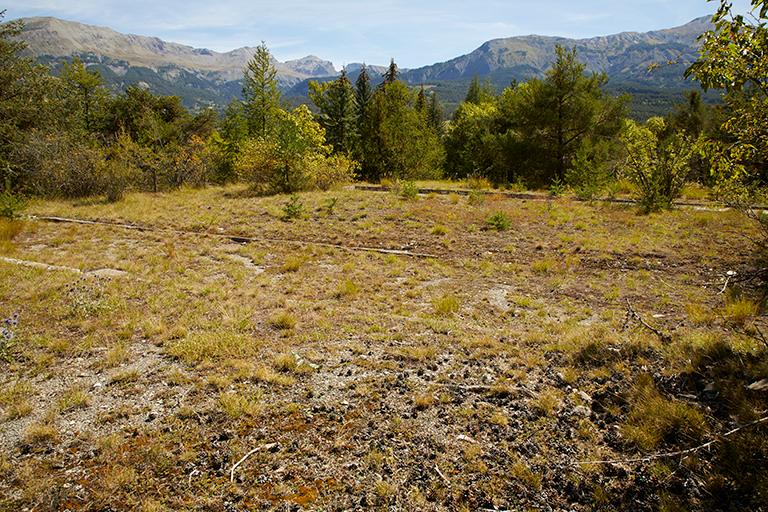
445 479
631 313
263 447
683 453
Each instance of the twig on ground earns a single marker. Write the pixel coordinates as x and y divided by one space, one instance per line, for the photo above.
445 479
683 453
631 313
760 336
725 286
263 447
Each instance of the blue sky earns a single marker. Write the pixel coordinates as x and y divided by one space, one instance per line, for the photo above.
414 32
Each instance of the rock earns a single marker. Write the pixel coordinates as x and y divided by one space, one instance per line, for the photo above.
761 385
580 410
497 297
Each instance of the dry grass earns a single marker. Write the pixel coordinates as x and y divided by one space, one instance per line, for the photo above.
211 346
197 356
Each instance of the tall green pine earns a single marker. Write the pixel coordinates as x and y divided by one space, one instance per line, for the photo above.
339 119
391 75
260 92
435 114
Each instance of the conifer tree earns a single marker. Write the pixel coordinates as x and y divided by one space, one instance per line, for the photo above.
435 114
260 92
363 100
479 93
473 93
363 94
391 75
336 102
421 101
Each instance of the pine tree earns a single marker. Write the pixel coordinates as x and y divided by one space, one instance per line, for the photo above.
363 94
473 93
421 101
435 114
260 92
479 93
363 100
336 102
391 75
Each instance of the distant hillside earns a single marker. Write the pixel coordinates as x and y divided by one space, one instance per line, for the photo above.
199 76
648 65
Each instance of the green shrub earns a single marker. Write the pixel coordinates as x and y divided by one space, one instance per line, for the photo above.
498 221
293 208
588 174
657 167
475 197
557 187
11 204
409 190
293 158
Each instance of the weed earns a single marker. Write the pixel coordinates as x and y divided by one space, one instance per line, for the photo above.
475 182
87 297
420 353
269 376
498 418
557 187
40 436
11 204
499 221
544 266
285 362
475 198
330 205
522 473
124 377
548 402
116 355
384 489
10 229
293 208
409 191
8 334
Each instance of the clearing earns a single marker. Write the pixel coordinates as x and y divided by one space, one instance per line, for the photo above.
375 353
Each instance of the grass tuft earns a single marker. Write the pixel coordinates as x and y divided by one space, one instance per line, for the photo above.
211 346
447 305
655 420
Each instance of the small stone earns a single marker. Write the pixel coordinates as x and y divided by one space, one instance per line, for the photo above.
580 410
761 385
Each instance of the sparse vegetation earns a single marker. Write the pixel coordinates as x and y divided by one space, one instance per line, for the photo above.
495 352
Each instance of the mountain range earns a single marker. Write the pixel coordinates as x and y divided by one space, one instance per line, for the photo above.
648 65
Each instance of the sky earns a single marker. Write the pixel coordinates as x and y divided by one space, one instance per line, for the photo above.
413 32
